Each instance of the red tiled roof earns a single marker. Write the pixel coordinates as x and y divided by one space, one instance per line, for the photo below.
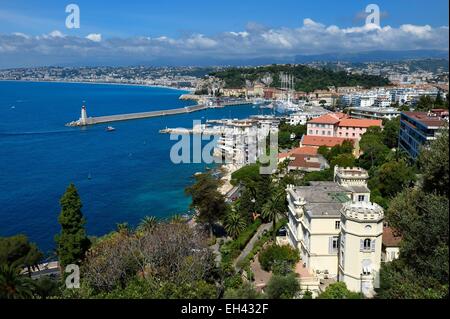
284 155
306 150
325 119
332 118
390 237
301 161
360 123
318 141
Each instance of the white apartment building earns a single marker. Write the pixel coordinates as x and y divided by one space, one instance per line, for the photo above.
301 118
337 230
375 113
242 142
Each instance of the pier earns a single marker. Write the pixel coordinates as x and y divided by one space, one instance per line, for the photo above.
85 121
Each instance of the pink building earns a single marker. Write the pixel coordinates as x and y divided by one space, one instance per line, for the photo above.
339 125
324 125
355 128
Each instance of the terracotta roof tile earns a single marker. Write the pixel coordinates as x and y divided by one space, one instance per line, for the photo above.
302 161
360 123
318 141
391 238
325 119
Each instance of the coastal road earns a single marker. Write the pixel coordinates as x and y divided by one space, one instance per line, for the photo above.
251 243
233 193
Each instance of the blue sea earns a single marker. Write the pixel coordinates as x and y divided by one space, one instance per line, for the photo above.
121 176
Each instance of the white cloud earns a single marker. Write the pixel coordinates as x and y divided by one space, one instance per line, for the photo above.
96 37
253 42
56 34
20 34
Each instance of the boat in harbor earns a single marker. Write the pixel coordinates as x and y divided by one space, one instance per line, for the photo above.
110 129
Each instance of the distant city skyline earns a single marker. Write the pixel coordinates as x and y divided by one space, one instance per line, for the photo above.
204 32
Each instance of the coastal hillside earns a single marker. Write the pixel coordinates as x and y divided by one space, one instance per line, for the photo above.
306 78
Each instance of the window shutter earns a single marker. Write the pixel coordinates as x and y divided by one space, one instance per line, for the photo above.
361 245
373 245
330 245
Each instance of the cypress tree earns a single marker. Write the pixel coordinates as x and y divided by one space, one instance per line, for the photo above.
72 242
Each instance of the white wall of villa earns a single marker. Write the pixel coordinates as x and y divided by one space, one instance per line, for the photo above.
337 230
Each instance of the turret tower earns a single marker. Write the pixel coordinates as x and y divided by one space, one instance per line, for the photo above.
360 246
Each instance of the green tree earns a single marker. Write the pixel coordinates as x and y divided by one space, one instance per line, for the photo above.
247 175
272 209
284 139
439 102
422 220
308 295
206 199
434 165
425 103
339 291
19 252
72 243
246 291
263 190
123 228
176 219
13 285
344 160
420 215
373 148
392 177
46 287
283 287
274 254
401 281
246 205
148 223
391 131
234 224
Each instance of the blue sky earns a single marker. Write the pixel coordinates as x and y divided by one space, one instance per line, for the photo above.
200 25
177 17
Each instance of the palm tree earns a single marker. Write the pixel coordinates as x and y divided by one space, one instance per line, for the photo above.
13 285
177 219
148 223
234 224
123 229
272 208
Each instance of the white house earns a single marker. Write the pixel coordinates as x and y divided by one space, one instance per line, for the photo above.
337 229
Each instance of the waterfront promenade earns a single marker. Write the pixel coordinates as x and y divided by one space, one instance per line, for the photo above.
134 116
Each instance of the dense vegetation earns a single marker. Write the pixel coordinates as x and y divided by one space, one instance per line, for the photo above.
420 215
279 259
307 79
289 136
172 259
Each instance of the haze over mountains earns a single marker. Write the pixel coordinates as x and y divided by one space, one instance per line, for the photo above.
369 56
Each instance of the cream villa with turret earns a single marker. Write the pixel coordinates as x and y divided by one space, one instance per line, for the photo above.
337 230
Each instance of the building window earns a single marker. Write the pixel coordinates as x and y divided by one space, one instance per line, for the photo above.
337 225
366 244
361 198
366 267
329 133
334 245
